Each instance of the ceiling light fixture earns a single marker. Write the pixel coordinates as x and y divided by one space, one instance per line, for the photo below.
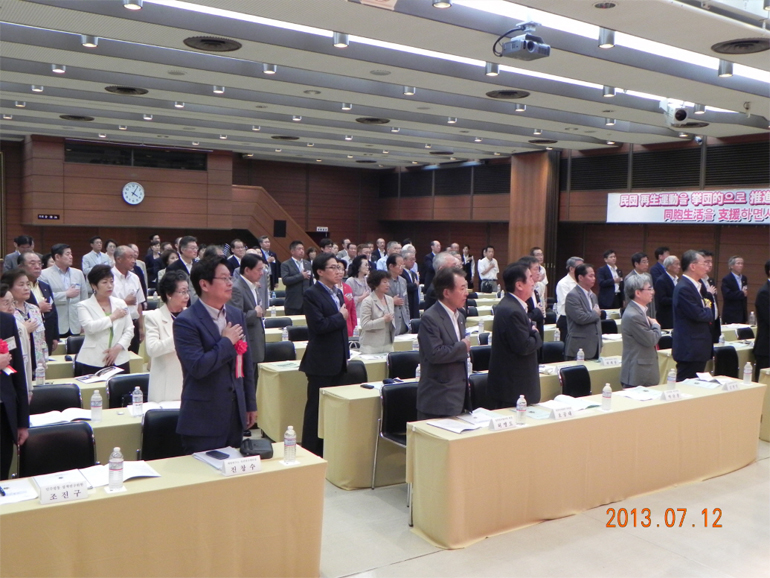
477 139
20 104
277 150
549 148
147 116
223 136
37 88
683 135
385 152
608 91
348 137
347 106
725 69
133 4
195 143
7 117
427 146
319 160
350 156
451 120
219 89
395 129
178 104
341 39
700 109
497 154
606 38
296 118
492 69
122 127
520 108
410 91
310 144
609 122
415 163
442 3
610 142
269 68
256 127
537 132
102 135
89 41
59 68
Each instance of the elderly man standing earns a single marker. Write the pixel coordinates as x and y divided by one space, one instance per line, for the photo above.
735 292
394 248
563 287
583 316
395 264
42 296
428 266
640 335
664 291
69 288
441 261
412 282
129 289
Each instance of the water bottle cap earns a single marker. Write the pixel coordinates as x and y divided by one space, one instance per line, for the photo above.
115 449
291 428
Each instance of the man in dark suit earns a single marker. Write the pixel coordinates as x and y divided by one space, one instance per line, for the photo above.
692 345
412 284
735 292
325 359
247 299
378 252
583 316
442 260
534 312
708 290
664 292
428 272
188 254
762 342
296 275
41 295
217 403
14 409
238 248
22 244
659 268
444 349
271 261
513 367
610 282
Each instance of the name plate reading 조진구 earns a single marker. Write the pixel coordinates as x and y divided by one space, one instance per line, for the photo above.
503 422
671 395
62 487
238 466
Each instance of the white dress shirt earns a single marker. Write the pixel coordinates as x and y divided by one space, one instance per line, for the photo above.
564 286
454 317
126 285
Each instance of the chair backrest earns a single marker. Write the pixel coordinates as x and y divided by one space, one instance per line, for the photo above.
665 342
277 301
472 311
280 351
280 292
473 295
153 304
159 437
423 305
120 388
298 333
356 373
57 397
602 314
553 351
399 406
277 322
550 317
56 448
744 333
726 361
480 355
484 338
609 326
74 343
575 381
479 392
470 302
403 364
414 326
494 308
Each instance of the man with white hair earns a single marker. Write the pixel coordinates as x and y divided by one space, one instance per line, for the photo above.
563 287
394 248
129 289
440 261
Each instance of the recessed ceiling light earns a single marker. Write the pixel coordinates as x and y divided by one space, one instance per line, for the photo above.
606 38
725 69
296 118
385 152
395 129
269 68
7 117
277 150
313 92
415 163
451 120
219 89
605 5
520 108
318 160
195 143
249 155
348 137
683 135
549 148
341 40
122 127
609 122
256 127
427 146
59 68
497 154
350 156
478 139
133 4
379 72
37 88
178 104
147 116
492 69
347 106
20 104
608 91
89 41
610 142
700 109
537 132
102 135
223 136
442 3
410 91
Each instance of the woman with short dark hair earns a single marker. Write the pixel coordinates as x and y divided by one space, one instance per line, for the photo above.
377 312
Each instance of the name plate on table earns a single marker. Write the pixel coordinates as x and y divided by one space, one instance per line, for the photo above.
562 413
502 423
63 492
239 466
731 386
671 395
610 360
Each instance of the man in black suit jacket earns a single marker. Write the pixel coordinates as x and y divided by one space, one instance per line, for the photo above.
708 290
271 260
327 353
762 342
31 263
296 275
14 409
692 345
412 284
735 292
610 280
428 272
664 292
513 369
378 252
659 268
238 248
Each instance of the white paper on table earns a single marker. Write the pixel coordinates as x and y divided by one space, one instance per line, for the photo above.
553 404
406 337
536 413
232 453
98 476
480 417
640 393
454 425
376 384
288 364
101 375
712 384
576 403
612 337
51 417
373 356
705 376
17 491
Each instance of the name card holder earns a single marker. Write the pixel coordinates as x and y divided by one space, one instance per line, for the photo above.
610 361
63 492
239 466
562 413
731 386
502 423
671 395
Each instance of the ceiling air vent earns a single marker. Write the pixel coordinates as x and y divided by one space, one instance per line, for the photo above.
508 94
372 120
442 153
212 43
76 117
366 162
280 137
543 141
126 90
742 46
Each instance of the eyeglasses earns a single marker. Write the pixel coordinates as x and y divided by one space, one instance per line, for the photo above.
186 291
225 279
334 267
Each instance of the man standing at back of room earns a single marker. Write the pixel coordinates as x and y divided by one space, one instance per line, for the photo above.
658 269
428 272
271 262
296 274
583 316
563 287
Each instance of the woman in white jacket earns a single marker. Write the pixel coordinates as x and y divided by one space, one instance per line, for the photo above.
165 369
107 327
377 313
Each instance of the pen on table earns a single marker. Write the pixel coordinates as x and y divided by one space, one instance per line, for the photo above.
2 491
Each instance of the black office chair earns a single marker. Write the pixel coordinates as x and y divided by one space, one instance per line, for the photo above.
280 351
665 342
479 391
57 397
120 388
356 373
280 293
480 355
277 322
575 381
57 448
726 361
422 305
472 311
473 295
398 407
609 326
550 317
159 437
744 333
602 314
298 333
494 308
403 364
484 338
553 351
153 304
73 345
277 301
470 302
414 325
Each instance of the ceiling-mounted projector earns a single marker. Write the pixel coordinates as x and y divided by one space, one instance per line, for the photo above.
526 46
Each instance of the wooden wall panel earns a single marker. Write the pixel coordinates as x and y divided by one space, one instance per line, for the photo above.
530 176
452 208
583 206
388 209
491 207
124 175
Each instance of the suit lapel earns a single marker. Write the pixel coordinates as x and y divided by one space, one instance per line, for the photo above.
206 321
246 290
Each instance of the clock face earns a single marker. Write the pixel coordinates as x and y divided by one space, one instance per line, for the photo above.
133 193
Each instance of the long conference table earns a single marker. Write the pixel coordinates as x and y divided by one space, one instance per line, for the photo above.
469 486
191 521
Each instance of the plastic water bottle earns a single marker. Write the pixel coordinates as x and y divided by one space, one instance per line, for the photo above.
137 398
721 340
489 339
96 406
116 469
357 331
415 345
747 371
40 374
581 356
272 311
752 319
469 366
481 325
272 295
671 379
521 410
417 372
556 334
607 397
290 446
285 334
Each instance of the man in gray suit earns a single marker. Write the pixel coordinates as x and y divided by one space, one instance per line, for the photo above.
22 244
296 276
584 320
444 349
246 289
69 288
395 266
640 335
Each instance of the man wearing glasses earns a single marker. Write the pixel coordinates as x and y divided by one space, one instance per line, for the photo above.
640 335
218 404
